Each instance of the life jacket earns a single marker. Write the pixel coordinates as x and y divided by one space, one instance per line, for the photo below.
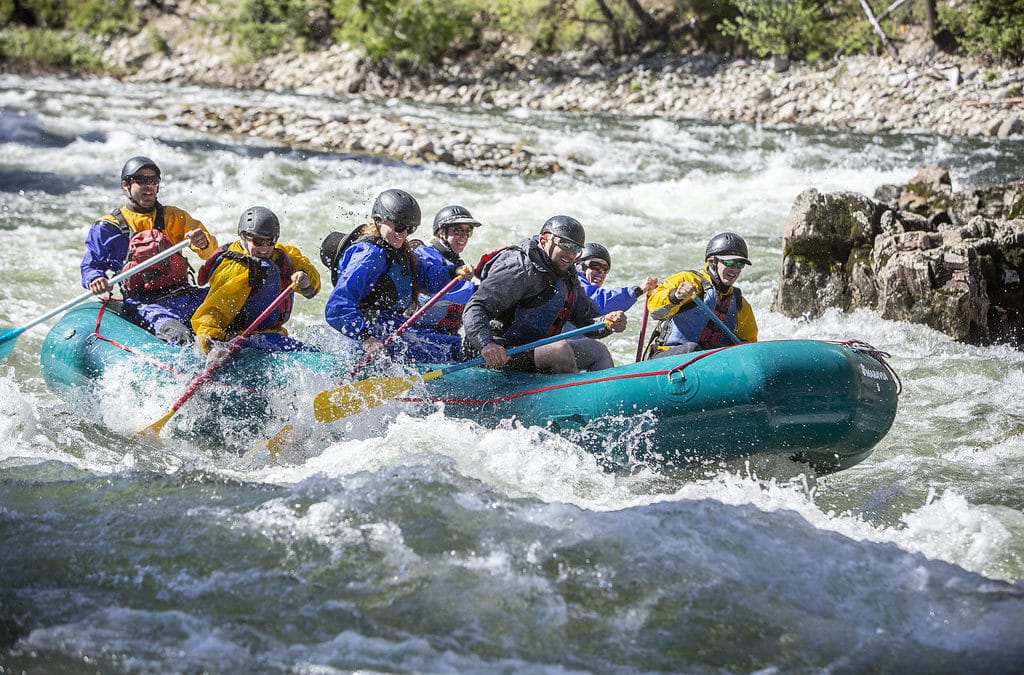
446 314
267 278
167 275
395 289
693 325
543 315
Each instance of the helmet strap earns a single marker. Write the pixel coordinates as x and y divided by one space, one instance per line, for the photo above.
712 267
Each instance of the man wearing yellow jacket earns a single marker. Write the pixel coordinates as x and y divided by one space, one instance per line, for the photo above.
245 278
686 327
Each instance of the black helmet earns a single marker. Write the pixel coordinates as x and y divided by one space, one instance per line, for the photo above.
595 252
566 227
453 215
137 164
727 246
398 207
261 221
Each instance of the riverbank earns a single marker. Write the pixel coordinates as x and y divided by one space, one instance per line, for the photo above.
923 92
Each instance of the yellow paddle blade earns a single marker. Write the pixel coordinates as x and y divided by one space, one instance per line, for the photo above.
274 445
154 429
333 404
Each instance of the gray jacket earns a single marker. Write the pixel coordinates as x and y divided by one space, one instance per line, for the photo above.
518 297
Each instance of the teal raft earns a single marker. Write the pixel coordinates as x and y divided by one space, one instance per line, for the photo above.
819 403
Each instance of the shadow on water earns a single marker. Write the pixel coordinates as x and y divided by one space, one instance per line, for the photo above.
23 128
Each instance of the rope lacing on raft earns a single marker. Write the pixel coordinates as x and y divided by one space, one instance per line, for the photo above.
877 355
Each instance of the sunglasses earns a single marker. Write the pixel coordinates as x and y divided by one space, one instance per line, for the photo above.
402 229
259 241
733 263
567 244
452 230
598 267
145 180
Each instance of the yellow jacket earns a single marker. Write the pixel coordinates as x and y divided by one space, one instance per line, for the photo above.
229 291
661 306
176 223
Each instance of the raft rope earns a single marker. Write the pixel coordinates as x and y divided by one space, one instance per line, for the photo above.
877 355
856 345
528 392
146 357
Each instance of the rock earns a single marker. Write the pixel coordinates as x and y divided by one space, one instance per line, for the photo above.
845 250
1011 126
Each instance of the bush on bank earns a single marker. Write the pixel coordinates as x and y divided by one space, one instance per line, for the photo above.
70 34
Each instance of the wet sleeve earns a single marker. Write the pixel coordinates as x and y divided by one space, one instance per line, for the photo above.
358 270
660 304
229 289
178 222
106 249
500 291
611 300
303 264
746 325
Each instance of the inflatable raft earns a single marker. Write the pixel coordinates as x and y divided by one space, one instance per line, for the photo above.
820 403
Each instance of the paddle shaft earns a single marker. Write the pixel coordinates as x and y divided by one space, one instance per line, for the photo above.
160 257
233 346
697 300
409 322
354 397
643 328
511 351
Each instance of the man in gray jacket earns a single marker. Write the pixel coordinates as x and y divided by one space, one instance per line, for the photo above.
528 293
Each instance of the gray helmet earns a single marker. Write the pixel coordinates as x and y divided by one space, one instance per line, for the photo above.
261 221
727 246
398 207
453 215
137 164
595 252
566 227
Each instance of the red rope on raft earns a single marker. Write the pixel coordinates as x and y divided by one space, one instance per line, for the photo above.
596 380
159 364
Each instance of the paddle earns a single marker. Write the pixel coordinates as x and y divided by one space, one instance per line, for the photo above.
8 338
155 428
643 329
714 317
412 319
349 399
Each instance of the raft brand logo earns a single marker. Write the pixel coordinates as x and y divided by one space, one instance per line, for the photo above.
873 374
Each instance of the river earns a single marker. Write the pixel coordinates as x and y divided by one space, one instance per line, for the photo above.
433 545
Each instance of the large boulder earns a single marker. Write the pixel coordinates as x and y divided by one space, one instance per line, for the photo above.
910 257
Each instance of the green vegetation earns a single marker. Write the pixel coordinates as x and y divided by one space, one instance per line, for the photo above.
70 34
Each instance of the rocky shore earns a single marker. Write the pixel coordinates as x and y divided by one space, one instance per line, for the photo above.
923 92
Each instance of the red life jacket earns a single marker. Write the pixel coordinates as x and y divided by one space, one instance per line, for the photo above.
168 274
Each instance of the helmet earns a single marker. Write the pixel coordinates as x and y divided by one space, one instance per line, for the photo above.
137 164
727 246
261 221
398 207
453 215
595 252
566 227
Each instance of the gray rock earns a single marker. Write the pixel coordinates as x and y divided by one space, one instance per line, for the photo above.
845 250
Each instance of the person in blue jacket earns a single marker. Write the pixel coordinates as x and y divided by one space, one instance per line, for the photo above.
377 278
593 266
438 329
